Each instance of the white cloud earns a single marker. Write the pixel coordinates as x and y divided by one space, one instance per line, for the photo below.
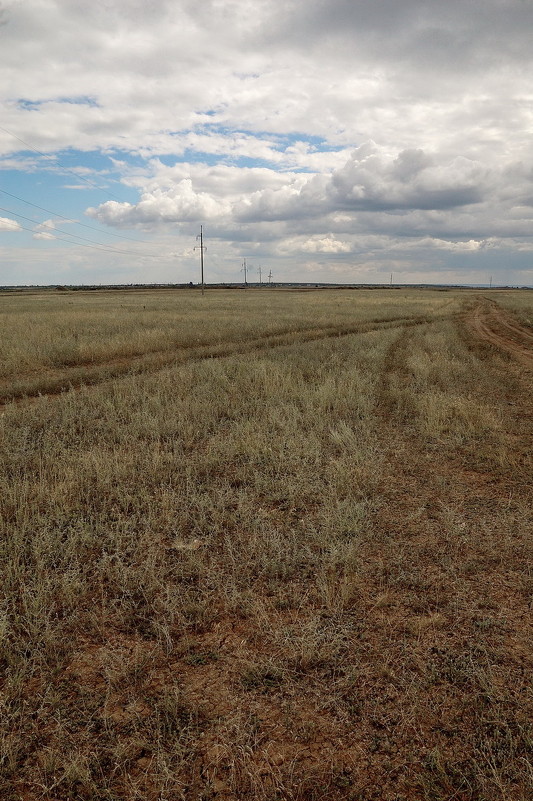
326 244
43 235
25 165
137 76
179 204
45 230
7 224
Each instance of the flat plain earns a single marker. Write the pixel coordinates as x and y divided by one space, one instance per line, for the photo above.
266 544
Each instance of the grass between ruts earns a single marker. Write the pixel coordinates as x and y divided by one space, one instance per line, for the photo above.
298 573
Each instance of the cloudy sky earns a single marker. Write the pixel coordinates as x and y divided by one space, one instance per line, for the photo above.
321 140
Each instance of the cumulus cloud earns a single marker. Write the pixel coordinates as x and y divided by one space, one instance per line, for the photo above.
411 179
181 204
7 224
45 230
372 179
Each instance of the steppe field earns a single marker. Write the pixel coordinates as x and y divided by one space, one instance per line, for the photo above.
266 545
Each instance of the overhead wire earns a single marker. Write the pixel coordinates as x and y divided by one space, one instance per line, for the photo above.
56 214
99 245
94 245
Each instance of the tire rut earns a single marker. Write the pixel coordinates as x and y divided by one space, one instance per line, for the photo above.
491 323
31 387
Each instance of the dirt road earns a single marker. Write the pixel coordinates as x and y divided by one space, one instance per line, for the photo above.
493 324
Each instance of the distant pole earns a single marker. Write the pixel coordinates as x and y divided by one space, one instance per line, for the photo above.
260 282
201 248
244 270
270 278
391 279
490 282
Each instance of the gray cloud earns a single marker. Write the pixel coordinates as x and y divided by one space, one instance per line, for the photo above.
441 36
409 180
373 180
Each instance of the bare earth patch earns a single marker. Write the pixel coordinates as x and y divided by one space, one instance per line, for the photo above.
493 324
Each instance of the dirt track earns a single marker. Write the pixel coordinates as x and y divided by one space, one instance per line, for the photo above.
492 323
487 320
51 382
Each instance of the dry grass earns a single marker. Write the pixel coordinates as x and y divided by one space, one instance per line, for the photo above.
54 330
520 302
298 575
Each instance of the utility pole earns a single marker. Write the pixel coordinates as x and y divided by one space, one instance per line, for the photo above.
270 278
244 271
201 248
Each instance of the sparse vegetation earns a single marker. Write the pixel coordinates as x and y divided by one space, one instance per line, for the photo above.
298 571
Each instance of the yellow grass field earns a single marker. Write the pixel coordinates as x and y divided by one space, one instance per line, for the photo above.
266 545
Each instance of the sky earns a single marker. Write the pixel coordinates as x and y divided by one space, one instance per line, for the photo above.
319 140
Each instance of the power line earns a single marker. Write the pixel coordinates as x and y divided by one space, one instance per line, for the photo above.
98 245
59 230
56 161
56 214
94 247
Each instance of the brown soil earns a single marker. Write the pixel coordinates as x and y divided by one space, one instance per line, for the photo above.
493 324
